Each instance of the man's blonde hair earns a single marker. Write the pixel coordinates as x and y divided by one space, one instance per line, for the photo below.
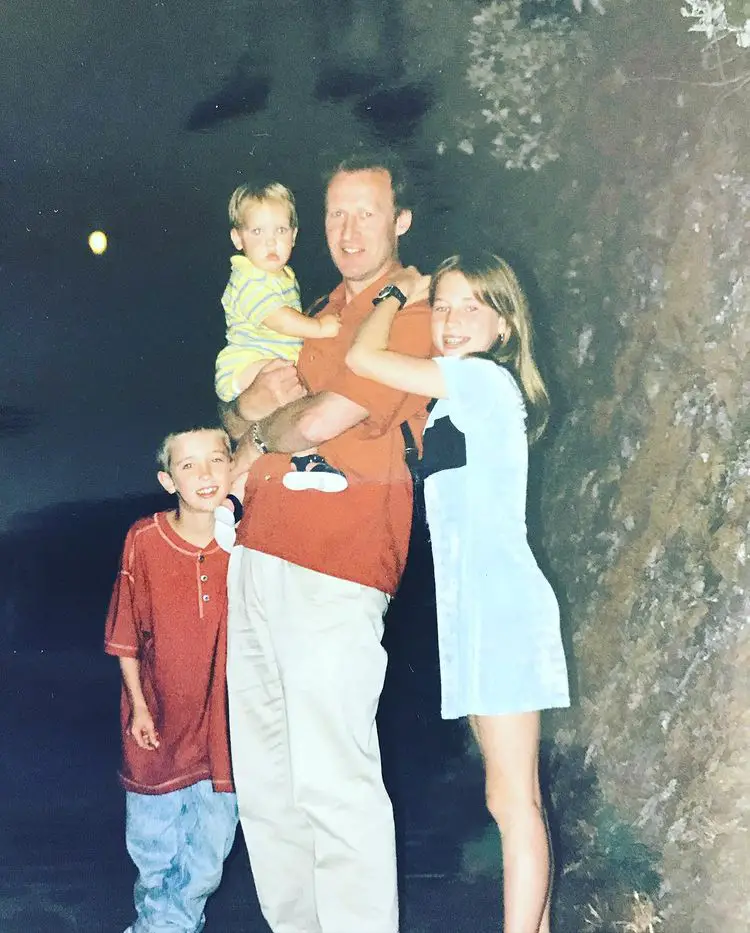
164 453
251 194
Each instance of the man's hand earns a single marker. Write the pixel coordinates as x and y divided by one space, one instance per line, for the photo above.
143 730
276 385
244 457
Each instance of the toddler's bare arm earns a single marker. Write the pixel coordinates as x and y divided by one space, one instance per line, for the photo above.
292 323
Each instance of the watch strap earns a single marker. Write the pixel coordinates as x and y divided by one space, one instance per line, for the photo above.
390 291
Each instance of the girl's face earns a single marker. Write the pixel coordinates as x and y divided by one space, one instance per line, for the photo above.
462 324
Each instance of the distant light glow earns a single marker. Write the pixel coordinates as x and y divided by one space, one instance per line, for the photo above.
97 242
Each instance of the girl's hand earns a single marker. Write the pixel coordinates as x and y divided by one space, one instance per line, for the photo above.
413 284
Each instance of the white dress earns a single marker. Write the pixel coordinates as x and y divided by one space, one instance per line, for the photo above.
498 618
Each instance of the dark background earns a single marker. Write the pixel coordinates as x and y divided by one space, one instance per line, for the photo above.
139 119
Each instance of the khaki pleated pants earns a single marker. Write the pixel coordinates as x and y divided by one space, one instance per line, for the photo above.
305 671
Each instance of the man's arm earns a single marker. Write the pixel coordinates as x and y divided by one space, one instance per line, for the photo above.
309 422
288 420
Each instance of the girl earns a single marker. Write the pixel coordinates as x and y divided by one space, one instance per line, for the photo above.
501 657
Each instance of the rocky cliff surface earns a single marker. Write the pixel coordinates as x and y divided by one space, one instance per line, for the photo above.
639 236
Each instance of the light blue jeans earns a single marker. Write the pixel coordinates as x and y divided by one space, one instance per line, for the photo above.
178 842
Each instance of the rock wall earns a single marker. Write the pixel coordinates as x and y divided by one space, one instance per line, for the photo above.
646 495
639 237
647 515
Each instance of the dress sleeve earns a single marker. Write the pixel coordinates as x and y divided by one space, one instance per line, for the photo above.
121 630
387 408
480 392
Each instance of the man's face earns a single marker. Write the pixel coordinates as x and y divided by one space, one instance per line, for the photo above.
362 228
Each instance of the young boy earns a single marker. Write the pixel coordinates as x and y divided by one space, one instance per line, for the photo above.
263 312
167 625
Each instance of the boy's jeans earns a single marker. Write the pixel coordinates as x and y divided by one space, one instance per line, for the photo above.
178 842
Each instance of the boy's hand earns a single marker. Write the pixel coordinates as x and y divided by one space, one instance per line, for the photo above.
330 325
143 730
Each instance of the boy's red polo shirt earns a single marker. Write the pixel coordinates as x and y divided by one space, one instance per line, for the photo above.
168 609
362 533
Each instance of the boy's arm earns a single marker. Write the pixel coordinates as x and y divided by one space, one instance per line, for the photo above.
291 323
141 727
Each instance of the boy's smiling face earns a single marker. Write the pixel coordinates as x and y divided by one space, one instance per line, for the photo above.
199 470
266 236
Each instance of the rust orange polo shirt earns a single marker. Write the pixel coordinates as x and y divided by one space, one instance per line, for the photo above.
362 533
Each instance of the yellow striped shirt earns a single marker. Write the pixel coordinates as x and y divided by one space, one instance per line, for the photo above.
250 296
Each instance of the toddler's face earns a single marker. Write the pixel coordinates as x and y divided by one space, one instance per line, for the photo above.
265 237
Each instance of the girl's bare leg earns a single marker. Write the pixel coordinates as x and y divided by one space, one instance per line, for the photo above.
510 750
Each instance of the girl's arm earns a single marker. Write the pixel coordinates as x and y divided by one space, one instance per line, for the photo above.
369 356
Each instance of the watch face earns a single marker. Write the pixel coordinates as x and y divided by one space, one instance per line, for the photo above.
390 291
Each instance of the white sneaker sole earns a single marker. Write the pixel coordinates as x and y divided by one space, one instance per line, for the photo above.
320 480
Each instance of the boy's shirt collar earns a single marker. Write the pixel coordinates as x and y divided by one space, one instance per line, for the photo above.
177 541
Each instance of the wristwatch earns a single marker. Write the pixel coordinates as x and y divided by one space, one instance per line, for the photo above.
390 291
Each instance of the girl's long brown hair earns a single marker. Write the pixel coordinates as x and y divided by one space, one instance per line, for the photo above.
494 283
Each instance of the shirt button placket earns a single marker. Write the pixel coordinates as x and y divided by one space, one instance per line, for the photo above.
202 579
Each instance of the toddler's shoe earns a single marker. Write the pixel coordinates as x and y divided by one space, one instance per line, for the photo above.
314 472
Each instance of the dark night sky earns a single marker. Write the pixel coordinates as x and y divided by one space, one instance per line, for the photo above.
108 122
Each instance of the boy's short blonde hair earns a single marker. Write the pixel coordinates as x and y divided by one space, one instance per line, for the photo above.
249 194
164 453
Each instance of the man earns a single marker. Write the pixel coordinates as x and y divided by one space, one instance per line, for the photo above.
308 588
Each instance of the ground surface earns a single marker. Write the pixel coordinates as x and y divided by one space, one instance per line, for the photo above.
65 869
